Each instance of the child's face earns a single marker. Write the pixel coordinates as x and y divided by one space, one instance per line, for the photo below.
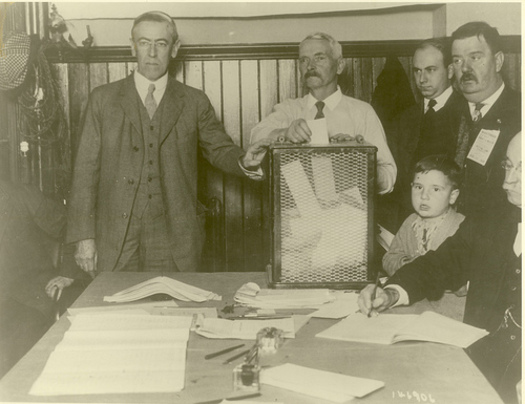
432 194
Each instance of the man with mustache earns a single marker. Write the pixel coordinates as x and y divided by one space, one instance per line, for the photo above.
429 127
491 115
320 62
487 251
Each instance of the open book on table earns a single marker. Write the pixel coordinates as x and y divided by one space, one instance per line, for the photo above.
392 328
162 284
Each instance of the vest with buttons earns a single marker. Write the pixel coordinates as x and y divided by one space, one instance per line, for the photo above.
149 196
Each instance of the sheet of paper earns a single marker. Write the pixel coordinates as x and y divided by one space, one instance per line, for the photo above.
319 131
324 179
352 197
123 308
384 237
344 305
483 146
318 383
359 328
115 353
162 284
243 329
300 188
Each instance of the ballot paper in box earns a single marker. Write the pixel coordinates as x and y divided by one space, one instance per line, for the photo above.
321 221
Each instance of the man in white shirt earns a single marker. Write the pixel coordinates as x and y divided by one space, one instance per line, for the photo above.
487 252
134 203
320 62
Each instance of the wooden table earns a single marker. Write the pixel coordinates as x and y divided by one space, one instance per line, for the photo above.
438 373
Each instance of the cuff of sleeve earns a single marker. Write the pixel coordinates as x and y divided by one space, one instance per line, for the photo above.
256 175
403 295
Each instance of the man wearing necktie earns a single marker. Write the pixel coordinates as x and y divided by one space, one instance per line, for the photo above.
134 203
486 251
320 62
491 115
427 128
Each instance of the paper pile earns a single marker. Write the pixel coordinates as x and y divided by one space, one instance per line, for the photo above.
163 284
318 383
104 354
250 294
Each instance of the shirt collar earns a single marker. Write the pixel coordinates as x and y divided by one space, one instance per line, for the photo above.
331 101
487 103
441 99
142 84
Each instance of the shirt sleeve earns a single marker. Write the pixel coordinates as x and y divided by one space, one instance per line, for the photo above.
281 117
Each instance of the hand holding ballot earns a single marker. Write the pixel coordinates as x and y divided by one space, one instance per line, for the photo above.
384 298
298 132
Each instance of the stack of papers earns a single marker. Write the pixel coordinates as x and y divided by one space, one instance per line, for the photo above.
318 383
248 329
162 284
392 328
345 304
117 354
250 294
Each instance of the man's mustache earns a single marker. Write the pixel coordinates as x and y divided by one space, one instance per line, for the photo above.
310 73
468 77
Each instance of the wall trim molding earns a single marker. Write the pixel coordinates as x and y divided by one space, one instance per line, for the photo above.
512 44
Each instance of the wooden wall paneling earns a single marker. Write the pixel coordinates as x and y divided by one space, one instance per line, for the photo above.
193 74
512 70
356 77
98 75
211 188
252 223
287 77
377 67
367 79
232 204
346 78
78 76
116 71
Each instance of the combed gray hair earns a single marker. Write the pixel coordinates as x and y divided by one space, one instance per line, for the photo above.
337 49
157 16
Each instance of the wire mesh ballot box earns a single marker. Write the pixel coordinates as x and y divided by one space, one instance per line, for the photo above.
321 215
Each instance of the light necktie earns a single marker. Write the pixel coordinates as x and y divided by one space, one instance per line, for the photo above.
320 106
150 103
476 116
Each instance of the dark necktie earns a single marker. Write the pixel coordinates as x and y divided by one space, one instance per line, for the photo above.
430 107
320 106
476 116
149 102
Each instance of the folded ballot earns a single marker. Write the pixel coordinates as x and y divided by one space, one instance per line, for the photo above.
319 383
162 284
250 294
392 328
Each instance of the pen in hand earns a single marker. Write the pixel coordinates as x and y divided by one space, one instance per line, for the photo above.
373 297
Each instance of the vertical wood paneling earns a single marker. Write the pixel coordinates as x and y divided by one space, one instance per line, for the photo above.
116 71
252 190
512 71
287 79
233 226
268 87
193 74
98 75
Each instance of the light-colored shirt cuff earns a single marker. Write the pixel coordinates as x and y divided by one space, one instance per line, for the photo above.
385 179
253 175
403 295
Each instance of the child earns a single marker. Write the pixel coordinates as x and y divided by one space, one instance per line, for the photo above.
435 189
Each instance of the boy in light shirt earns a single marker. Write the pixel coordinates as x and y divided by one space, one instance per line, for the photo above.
435 189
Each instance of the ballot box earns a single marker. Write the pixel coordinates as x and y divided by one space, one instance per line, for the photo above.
321 215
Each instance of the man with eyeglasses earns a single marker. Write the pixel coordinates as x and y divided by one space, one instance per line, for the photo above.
490 117
487 251
320 62
134 203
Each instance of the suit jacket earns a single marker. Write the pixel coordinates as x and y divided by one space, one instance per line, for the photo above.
30 224
482 184
481 251
109 161
408 135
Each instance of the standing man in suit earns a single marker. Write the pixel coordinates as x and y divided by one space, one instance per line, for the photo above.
491 115
429 127
134 200
320 62
487 251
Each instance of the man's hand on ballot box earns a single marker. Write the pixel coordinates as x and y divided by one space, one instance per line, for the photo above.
297 132
384 298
